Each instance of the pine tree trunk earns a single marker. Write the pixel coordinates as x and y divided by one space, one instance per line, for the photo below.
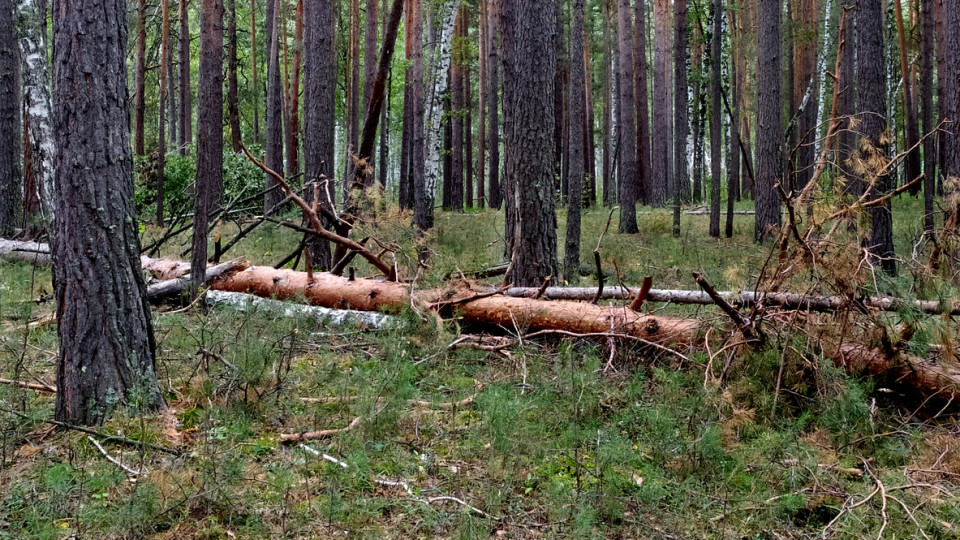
643 188
162 123
571 260
233 108
716 122
107 349
927 113
769 120
629 169
529 67
872 125
607 169
319 82
353 93
186 101
495 198
467 111
696 64
35 77
11 180
660 154
422 198
385 115
139 79
209 180
912 165
274 116
456 118
681 118
733 133
482 35
292 101
369 64
589 143
254 72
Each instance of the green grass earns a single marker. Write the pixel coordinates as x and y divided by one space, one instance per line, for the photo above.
553 445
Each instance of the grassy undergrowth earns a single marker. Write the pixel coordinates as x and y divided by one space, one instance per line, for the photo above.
546 441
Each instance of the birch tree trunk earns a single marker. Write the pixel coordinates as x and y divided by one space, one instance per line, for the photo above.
35 76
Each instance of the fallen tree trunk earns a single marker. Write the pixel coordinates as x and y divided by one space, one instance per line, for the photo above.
523 313
39 253
929 378
325 316
744 298
171 287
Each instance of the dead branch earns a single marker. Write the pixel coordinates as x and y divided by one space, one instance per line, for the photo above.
290 438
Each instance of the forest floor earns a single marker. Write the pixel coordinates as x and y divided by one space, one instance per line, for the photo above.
540 440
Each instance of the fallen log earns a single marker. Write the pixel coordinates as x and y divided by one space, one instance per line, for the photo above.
171 287
326 316
745 299
928 377
39 253
360 294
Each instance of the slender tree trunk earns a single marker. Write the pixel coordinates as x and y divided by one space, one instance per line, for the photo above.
385 115
11 180
139 81
186 101
589 138
369 63
456 118
434 144
467 109
495 198
606 157
353 93
292 121
657 195
162 124
482 34
274 117
571 260
769 120
681 117
31 25
209 179
644 177
716 122
927 113
406 139
733 135
254 72
846 103
107 350
172 114
872 125
423 193
628 132
319 82
698 132
558 105
233 108
912 165
529 66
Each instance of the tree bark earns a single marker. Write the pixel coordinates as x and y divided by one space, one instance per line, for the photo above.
681 118
733 133
769 120
912 165
162 123
422 199
660 154
274 116
872 125
716 122
456 115
467 110
927 113
186 102
107 349
629 169
35 74
233 108
482 34
493 99
254 72
529 66
209 133
571 261
319 78
139 79
643 186
370 18
11 180
352 116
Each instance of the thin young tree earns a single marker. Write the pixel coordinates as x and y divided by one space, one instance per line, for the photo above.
644 175
571 260
495 197
871 155
681 117
233 106
733 133
912 165
209 179
716 121
927 113
254 85
769 134
107 349
528 65
140 76
455 122
186 99
10 177
162 123
629 181
274 116
423 201
370 19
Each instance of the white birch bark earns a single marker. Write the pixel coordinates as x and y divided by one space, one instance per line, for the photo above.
822 68
36 100
434 101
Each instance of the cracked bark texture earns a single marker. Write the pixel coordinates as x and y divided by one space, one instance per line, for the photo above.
528 78
769 120
107 349
10 177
